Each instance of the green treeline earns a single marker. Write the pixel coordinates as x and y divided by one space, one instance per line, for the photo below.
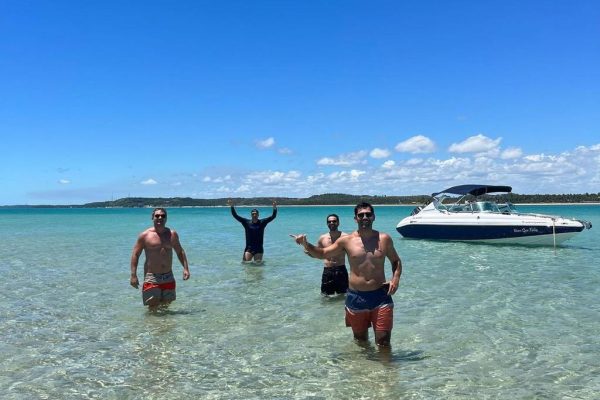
332 199
317 200
322 199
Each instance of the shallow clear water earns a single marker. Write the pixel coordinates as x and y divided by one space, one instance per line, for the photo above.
471 321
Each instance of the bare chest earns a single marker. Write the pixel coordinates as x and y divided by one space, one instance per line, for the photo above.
370 251
156 241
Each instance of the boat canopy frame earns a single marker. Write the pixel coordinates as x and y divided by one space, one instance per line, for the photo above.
474 190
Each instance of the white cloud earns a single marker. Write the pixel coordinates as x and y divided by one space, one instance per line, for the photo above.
346 176
534 157
573 171
475 144
379 153
452 163
149 182
273 177
243 189
345 160
314 179
64 181
414 161
284 150
218 179
415 145
265 144
388 164
356 173
511 152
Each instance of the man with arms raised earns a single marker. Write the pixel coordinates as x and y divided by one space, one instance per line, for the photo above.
254 229
368 301
158 244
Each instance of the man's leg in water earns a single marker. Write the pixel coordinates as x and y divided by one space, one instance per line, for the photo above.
361 336
383 321
382 338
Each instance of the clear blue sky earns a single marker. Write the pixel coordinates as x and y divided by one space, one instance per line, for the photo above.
209 99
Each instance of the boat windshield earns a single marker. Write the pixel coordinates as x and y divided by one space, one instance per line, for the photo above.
507 208
486 206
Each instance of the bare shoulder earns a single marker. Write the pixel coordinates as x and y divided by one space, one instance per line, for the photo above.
147 232
384 236
386 239
348 237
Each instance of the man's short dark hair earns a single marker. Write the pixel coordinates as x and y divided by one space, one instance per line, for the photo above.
333 215
363 205
159 209
254 210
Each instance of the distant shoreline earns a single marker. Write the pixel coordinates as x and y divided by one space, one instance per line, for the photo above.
320 200
268 206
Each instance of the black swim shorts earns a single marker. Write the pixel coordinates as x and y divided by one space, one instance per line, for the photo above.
334 280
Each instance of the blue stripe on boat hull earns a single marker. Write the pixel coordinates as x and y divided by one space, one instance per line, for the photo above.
474 232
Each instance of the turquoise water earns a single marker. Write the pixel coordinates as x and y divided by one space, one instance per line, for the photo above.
471 321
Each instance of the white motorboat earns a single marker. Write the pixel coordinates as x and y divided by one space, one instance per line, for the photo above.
474 220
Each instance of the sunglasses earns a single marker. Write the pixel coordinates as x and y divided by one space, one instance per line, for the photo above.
160 216
332 222
365 214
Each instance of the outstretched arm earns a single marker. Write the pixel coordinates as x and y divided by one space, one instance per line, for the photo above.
318 252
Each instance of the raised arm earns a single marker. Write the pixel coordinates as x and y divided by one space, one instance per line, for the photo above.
272 217
234 213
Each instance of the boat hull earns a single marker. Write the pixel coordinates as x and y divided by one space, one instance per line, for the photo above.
508 234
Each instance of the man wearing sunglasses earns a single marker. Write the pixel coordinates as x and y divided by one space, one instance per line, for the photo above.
335 275
158 244
368 300
254 229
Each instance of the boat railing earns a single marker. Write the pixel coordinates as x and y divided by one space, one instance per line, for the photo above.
416 210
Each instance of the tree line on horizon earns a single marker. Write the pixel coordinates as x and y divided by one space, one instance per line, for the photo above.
321 199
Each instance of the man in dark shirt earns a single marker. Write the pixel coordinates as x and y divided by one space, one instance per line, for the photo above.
255 232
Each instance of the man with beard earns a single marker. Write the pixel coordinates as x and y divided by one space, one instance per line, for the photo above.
368 300
335 275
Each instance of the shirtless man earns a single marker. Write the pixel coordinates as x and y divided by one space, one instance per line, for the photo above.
158 244
368 301
335 275
255 231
